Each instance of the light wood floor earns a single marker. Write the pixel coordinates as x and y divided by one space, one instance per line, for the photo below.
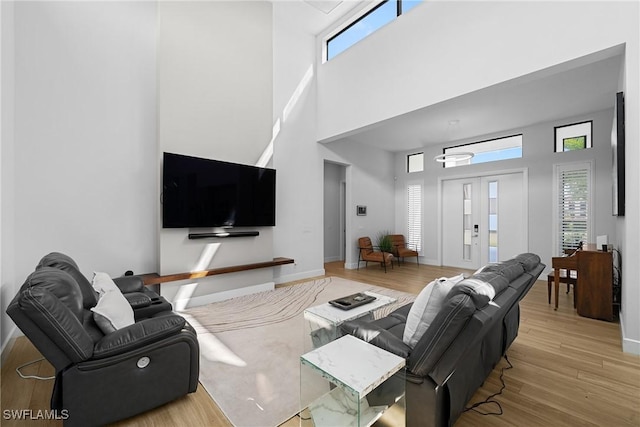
567 370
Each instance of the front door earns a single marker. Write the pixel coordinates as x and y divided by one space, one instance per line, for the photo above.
484 219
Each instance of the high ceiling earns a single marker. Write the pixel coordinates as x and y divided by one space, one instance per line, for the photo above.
582 86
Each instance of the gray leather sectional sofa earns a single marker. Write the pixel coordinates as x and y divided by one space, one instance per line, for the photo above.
462 345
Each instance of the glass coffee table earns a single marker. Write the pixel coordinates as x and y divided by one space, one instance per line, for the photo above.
322 322
349 382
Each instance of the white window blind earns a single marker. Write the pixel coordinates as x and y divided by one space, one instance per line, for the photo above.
574 205
414 216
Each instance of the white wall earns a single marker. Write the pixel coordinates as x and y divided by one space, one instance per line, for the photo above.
8 280
215 85
375 80
77 174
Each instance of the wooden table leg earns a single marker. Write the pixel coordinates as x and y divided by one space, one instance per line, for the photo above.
556 284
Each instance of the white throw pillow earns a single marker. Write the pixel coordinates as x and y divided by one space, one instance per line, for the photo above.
103 283
113 311
426 307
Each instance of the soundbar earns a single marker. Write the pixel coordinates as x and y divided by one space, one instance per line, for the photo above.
223 234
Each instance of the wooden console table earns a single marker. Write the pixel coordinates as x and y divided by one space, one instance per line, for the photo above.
594 288
151 279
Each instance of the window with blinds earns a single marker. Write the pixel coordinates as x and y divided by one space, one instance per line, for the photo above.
573 205
414 216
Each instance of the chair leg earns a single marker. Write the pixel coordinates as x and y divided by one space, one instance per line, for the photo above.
549 289
418 261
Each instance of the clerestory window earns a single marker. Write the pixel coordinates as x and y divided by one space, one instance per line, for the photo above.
363 25
508 147
573 137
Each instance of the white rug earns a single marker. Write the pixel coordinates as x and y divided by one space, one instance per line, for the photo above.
250 347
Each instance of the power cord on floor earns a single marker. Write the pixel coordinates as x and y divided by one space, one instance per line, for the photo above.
35 377
490 398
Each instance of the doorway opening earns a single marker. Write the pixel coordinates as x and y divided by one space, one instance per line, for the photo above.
335 226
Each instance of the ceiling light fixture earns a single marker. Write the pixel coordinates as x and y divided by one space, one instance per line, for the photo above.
453 157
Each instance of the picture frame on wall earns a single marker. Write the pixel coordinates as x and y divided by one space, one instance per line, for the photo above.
361 210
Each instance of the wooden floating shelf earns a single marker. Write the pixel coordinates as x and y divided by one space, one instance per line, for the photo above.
155 279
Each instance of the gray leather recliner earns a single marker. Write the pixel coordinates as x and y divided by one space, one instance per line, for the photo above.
104 378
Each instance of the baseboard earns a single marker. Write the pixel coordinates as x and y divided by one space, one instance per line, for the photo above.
628 345
332 259
428 261
223 295
299 276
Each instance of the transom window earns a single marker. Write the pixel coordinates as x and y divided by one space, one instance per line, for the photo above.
573 137
415 162
380 15
508 147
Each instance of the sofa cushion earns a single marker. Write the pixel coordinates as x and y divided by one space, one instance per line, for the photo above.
481 287
52 300
528 261
426 307
510 269
66 263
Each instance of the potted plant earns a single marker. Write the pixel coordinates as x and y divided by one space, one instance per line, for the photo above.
383 241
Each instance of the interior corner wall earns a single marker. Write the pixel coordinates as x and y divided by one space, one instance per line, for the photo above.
215 92
84 136
299 229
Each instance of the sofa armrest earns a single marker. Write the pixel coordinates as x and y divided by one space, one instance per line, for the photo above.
137 299
137 335
374 334
128 284
444 329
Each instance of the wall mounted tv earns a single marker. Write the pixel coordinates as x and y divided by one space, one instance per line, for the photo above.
201 192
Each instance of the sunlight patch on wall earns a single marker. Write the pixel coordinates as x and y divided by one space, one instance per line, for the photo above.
306 79
206 256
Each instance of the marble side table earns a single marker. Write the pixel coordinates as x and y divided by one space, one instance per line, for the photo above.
322 322
349 382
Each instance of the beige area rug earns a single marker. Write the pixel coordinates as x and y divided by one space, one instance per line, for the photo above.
250 347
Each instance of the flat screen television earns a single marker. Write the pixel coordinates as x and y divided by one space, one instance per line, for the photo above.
200 192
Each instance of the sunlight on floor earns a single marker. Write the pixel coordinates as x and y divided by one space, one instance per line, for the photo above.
211 348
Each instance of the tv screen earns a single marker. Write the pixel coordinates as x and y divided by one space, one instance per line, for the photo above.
200 192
